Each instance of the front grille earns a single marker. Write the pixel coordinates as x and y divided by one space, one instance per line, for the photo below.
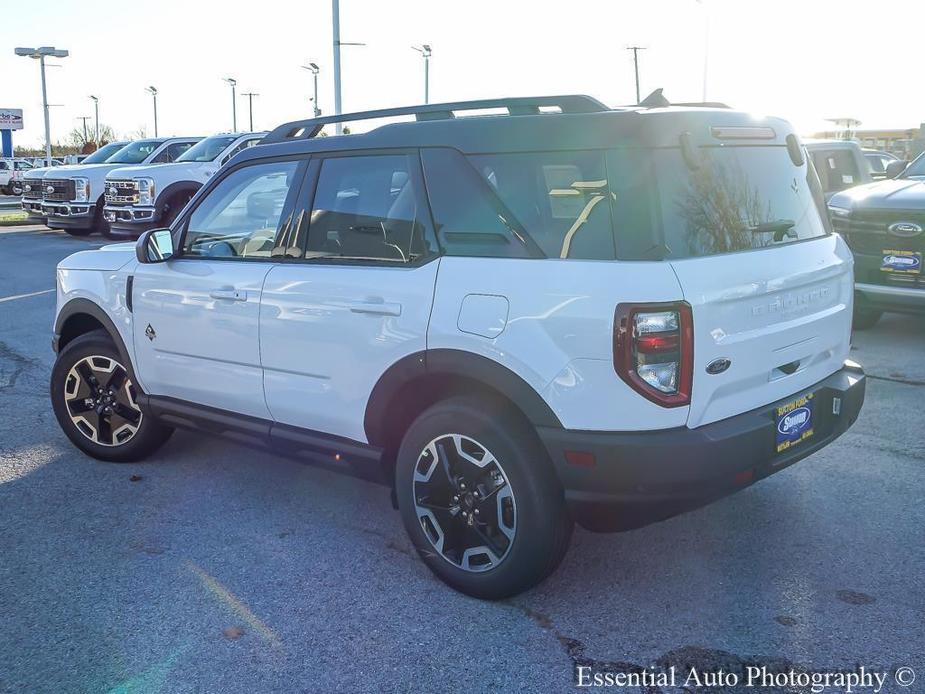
58 189
121 192
867 231
35 192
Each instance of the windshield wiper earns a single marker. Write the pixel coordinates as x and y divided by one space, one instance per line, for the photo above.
778 227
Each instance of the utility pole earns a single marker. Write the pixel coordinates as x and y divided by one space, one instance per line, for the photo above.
426 52
234 104
96 118
84 119
250 107
635 50
153 92
39 54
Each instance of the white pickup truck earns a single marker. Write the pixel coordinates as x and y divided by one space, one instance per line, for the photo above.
72 196
141 197
11 173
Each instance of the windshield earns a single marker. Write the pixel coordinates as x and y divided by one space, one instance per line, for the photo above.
135 153
916 168
739 198
208 149
103 153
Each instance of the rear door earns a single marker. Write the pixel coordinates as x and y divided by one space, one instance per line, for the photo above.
352 300
770 289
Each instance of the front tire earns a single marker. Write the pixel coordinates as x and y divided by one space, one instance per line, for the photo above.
480 500
77 231
865 318
94 399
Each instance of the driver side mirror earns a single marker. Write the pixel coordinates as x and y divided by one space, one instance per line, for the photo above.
894 168
154 246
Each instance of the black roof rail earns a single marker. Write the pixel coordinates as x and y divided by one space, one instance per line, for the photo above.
516 106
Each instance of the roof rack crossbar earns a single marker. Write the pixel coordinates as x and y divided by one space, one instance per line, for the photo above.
310 127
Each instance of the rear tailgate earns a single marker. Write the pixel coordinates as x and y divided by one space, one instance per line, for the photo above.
781 316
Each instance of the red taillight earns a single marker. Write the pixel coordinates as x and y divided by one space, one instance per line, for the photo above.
653 350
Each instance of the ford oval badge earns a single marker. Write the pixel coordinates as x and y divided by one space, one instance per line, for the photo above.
717 366
905 229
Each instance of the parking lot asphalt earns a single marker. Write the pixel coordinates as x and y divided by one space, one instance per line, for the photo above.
217 568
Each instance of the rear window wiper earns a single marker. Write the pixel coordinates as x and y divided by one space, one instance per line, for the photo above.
779 227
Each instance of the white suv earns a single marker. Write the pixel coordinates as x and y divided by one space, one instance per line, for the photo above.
146 196
561 313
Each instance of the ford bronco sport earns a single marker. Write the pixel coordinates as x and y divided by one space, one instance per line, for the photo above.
517 320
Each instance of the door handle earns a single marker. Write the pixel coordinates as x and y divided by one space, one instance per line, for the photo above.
229 294
378 308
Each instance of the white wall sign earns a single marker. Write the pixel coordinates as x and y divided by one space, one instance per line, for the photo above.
10 119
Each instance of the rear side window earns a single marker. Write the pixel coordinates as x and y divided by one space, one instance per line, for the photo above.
469 218
369 208
837 169
739 198
559 198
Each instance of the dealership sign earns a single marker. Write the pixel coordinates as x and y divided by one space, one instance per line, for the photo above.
10 119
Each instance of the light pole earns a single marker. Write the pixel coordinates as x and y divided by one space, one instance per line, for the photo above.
706 46
635 50
84 119
153 92
425 51
335 28
250 107
234 104
314 69
40 54
96 118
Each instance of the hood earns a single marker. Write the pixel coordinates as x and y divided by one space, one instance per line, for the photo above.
109 257
92 171
891 194
165 174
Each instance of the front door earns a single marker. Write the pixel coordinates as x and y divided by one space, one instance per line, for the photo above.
358 299
196 316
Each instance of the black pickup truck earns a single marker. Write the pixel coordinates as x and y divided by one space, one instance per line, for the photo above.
884 225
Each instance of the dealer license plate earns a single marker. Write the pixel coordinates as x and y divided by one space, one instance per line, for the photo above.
794 422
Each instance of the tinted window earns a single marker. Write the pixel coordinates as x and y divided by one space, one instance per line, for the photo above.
470 219
103 153
739 198
559 198
171 152
368 208
240 217
837 169
207 149
135 153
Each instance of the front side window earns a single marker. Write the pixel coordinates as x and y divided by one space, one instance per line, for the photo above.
241 216
172 152
369 208
559 198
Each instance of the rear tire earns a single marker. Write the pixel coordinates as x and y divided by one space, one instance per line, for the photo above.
480 500
93 395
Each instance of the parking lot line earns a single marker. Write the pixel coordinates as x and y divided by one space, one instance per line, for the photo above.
25 296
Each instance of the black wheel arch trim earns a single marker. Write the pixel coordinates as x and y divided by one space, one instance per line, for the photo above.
191 187
452 363
76 307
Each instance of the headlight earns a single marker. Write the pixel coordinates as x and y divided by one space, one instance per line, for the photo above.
26 187
81 189
145 191
839 211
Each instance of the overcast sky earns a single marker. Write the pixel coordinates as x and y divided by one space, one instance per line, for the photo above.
806 60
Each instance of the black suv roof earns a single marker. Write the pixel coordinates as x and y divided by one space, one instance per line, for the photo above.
581 123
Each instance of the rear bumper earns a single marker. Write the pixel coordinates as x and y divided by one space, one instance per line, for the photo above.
678 469
888 298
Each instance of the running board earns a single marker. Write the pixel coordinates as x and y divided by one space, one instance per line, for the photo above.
333 453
